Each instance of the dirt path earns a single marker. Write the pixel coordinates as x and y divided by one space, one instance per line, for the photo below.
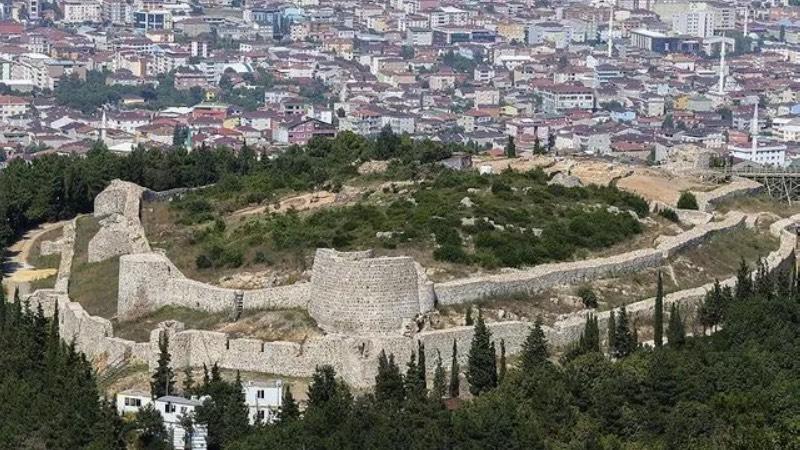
18 272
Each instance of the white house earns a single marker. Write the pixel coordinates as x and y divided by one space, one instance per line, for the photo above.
129 402
263 400
172 410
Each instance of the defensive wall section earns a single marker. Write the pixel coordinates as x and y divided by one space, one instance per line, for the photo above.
354 292
548 275
121 231
353 354
738 187
149 281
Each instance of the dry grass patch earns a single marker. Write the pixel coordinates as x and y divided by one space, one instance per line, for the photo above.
35 257
93 285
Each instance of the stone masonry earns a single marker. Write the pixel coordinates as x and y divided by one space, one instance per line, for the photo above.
121 231
353 354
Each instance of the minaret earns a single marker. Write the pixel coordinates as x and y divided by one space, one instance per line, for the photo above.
746 12
721 87
103 126
754 134
610 30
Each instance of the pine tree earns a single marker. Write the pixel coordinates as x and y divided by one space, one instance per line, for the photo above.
658 316
502 371
481 365
323 386
163 379
439 389
534 349
454 388
152 433
676 332
623 339
612 331
389 380
289 409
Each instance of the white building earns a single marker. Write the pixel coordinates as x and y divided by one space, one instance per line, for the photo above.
563 97
172 410
11 106
263 400
129 402
698 23
787 128
80 11
448 16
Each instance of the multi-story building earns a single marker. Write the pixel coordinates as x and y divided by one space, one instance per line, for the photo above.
698 22
157 19
449 16
118 12
81 11
11 106
263 400
564 97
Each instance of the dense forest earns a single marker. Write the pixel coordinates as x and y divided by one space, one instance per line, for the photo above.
55 187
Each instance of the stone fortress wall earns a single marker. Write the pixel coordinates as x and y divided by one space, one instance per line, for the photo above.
353 354
354 292
121 231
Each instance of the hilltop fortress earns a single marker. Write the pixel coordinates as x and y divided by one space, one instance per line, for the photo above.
364 304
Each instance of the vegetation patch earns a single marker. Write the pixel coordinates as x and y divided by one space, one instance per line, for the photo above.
290 325
35 257
93 285
510 219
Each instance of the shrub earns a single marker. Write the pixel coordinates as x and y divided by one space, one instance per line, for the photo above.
451 253
588 296
203 261
687 200
669 214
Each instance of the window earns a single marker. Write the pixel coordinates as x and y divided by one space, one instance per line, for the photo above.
260 415
129 401
260 394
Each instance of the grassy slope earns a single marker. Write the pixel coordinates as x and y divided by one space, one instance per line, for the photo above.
93 285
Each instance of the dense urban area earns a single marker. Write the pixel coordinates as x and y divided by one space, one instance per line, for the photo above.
400 224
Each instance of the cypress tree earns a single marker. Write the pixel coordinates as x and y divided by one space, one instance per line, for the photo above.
658 315
744 284
534 349
468 317
502 371
188 382
676 332
611 331
439 389
163 379
494 365
590 338
413 386
481 364
455 382
388 381
422 370
289 409
623 339
3 308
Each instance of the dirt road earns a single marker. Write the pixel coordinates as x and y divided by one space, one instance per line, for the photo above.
18 272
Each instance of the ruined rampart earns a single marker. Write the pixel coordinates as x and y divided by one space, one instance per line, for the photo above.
149 281
548 275
121 231
738 187
356 292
